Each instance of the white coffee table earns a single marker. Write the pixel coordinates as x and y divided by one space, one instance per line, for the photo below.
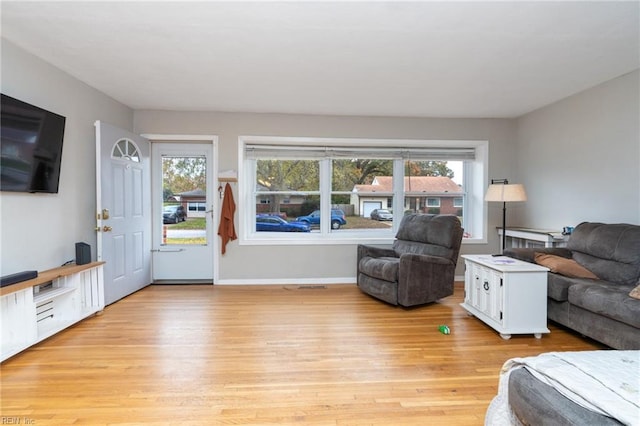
507 294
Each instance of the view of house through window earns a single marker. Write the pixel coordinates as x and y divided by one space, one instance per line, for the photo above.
434 186
355 189
364 191
184 199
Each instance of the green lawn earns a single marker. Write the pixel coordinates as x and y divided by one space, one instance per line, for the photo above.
353 222
193 241
190 223
357 222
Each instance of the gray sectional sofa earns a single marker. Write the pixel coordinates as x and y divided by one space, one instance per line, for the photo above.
601 308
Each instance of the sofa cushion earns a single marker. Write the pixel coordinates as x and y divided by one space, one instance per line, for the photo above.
611 251
383 268
558 286
401 247
436 235
607 299
564 266
440 230
536 403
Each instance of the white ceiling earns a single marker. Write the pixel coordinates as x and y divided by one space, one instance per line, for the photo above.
420 59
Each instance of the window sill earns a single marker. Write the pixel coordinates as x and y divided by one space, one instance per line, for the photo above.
343 239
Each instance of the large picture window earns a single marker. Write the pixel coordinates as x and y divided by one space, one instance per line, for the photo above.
317 190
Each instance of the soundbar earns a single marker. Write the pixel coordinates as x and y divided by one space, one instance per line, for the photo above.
17 277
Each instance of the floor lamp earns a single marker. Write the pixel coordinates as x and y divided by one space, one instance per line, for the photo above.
501 191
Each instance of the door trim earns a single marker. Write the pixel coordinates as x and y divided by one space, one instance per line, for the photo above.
190 138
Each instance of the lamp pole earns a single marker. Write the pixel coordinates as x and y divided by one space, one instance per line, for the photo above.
504 215
504 226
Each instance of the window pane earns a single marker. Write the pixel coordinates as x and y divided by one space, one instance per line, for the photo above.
287 175
287 190
458 203
196 207
348 173
434 187
360 187
185 199
126 149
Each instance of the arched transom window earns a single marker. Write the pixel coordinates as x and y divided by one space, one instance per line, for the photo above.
126 149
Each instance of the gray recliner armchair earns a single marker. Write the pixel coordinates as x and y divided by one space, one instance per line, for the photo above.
420 266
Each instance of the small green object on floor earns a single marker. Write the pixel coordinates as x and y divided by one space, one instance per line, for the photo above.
444 329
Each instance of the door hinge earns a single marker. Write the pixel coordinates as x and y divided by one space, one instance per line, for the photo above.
500 314
500 282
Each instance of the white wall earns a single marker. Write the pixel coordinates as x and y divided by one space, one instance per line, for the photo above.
331 262
39 231
579 158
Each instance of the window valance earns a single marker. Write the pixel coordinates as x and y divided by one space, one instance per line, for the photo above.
262 151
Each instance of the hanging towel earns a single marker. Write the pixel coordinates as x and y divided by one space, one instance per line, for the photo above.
227 230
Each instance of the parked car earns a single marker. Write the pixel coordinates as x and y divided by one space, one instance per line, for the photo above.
270 223
381 214
173 214
337 218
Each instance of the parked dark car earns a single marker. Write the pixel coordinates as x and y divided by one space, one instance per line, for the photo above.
381 214
337 218
173 214
269 223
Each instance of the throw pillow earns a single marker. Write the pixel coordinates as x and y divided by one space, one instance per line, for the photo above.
564 266
635 293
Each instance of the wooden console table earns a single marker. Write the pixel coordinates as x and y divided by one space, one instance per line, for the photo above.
32 310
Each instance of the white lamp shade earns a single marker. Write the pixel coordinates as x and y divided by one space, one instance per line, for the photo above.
506 192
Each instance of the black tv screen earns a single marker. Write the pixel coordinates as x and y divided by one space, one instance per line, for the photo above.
31 147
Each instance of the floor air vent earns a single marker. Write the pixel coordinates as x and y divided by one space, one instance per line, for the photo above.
312 287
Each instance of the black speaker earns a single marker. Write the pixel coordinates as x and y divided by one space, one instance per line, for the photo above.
83 253
17 277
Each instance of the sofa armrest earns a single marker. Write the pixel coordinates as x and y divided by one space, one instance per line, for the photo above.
373 251
424 279
528 254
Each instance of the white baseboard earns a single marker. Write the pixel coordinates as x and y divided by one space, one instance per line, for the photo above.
296 281
288 281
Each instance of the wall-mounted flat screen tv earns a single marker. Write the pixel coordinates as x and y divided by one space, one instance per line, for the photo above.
31 147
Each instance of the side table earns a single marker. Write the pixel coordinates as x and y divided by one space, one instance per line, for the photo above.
507 294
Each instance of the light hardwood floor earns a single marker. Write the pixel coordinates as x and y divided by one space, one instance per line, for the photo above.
202 355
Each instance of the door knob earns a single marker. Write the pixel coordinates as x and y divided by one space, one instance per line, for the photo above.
106 228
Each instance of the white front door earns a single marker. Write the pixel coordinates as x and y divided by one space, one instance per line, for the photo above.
183 179
123 189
